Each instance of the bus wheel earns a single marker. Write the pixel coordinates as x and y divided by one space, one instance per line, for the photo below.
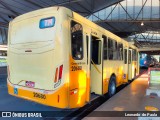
112 86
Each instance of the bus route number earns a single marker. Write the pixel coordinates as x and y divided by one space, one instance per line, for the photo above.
38 95
76 68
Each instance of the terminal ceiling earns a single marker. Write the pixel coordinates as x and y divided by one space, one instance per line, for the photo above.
114 15
9 9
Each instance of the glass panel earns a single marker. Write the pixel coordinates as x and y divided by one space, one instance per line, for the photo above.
125 55
134 56
102 14
120 51
147 10
110 49
77 40
130 10
87 40
96 51
115 12
138 6
105 57
108 11
122 12
94 18
129 57
115 50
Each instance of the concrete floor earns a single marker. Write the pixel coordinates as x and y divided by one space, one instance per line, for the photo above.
12 103
128 99
131 98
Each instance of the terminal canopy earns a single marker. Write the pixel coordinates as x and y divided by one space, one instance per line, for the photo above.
136 20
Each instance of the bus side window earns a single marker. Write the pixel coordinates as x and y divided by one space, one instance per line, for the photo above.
105 52
125 55
87 40
120 51
129 57
140 55
110 49
134 55
76 40
96 50
115 50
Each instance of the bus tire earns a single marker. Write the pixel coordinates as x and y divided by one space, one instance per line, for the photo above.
112 86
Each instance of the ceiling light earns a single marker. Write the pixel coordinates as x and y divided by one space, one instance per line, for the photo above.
142 23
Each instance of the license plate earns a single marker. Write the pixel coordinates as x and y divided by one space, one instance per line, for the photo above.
30 84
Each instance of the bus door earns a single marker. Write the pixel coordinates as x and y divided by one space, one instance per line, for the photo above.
88 69
96 65
130 64
125 75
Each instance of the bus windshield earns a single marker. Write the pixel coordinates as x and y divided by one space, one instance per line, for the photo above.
35 29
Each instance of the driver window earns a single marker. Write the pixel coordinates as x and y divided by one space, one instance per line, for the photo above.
76 40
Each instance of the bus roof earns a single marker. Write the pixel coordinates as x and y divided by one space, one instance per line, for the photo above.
38 12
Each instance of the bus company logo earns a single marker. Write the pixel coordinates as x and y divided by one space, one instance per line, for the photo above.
6 114
30 84
21 115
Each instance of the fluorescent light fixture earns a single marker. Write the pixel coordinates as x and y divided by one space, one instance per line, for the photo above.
142 23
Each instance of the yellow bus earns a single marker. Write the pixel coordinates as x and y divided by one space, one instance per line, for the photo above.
58 58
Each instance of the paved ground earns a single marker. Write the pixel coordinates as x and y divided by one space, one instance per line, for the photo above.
11 103
131 98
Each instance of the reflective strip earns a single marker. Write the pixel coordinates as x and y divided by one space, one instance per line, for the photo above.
60 72
56 76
